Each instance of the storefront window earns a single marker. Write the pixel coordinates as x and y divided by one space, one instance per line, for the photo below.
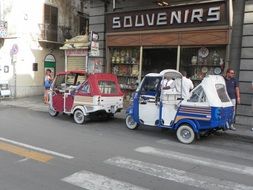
125 64
201 61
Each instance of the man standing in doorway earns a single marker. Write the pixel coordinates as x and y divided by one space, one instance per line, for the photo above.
187 85
232 90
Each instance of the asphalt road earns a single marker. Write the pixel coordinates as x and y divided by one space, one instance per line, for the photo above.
38 152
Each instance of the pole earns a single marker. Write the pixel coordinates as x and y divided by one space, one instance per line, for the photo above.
178 56
141 55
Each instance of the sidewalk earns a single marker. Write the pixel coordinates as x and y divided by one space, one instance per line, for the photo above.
36 103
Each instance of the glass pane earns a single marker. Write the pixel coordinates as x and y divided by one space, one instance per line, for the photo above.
86 88
107 87
150 86
80 79
70 80
59 81
221 91
196 95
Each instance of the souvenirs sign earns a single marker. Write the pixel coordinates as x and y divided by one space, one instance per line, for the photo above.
195 15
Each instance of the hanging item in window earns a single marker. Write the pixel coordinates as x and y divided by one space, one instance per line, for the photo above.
217 70
194 60
203 52
204 70
202 56
216 58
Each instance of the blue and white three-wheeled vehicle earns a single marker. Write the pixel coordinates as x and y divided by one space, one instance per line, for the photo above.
206 110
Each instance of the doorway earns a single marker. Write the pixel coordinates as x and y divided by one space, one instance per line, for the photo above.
157 59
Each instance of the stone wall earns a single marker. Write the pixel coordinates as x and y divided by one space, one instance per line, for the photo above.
244 111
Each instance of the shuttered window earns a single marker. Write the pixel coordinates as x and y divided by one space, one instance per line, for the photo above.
76 63
50 22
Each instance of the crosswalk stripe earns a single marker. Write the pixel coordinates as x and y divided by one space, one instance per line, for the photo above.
175 175
92 181
230 167
209 149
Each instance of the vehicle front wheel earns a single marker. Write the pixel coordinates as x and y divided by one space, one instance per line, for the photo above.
130 123
52 112
79 117
185 134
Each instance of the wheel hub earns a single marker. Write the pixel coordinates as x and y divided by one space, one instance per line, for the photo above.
185 134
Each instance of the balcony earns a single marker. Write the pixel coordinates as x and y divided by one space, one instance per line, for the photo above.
53 34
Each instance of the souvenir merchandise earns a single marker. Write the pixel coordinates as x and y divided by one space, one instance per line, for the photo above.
203 52
204 69
135 70
194 60
217 70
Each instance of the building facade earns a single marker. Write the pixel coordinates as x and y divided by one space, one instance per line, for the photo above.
201 37
245 67
30 37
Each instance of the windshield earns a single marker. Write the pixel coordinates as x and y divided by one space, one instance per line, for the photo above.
221 91
149 86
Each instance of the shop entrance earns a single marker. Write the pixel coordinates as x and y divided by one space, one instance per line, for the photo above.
158 59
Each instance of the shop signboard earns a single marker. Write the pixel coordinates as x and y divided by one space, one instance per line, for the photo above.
76 52
191 15
94 44
94 48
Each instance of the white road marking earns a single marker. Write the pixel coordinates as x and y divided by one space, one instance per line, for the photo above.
179 176
36 148
92 181
209 149
23 160
230 167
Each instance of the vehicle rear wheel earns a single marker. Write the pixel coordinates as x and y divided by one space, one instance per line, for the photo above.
185 134
79 116
52 112
130 123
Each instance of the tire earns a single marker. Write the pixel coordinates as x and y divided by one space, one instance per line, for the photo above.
130 123
79 117
185 134
52 112
110 116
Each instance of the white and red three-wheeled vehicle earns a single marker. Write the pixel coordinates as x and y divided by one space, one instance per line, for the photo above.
85 95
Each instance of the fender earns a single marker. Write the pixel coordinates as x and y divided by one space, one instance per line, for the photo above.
192 123
129 110
83 108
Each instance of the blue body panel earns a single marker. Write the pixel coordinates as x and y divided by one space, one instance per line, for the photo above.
204 118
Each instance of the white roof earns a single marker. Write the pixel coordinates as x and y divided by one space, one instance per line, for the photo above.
172 73
153 75
208 84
